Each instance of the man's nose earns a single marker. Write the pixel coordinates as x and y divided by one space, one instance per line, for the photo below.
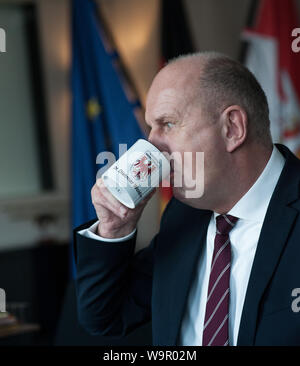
158 141
154 139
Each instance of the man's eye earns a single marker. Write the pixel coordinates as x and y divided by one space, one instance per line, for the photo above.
169 124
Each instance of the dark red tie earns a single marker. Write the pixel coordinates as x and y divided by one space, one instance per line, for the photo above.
215 329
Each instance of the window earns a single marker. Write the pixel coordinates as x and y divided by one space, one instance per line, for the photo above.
25 166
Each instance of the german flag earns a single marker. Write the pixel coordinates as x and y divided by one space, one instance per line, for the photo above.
176 40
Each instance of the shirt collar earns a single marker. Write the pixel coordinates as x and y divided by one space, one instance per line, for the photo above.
254 204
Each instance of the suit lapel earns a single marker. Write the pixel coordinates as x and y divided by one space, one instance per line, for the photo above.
182 259
279 220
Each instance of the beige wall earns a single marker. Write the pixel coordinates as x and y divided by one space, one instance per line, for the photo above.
215 25
135 27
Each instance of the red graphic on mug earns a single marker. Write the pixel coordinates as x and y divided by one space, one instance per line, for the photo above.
142 168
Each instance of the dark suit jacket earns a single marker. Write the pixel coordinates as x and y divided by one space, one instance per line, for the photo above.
118 290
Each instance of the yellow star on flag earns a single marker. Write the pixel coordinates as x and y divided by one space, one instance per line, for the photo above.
93 108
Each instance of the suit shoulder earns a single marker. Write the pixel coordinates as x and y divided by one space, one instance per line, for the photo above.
179 212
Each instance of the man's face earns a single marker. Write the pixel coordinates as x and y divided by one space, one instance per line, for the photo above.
178 126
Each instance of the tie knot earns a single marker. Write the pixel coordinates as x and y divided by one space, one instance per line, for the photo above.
225 223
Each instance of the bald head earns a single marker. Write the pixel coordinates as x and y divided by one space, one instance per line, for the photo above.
216 82
177 80
181 73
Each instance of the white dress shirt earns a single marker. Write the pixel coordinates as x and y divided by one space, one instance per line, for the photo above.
251 210
91 233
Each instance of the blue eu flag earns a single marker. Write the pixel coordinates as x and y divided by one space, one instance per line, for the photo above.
102 115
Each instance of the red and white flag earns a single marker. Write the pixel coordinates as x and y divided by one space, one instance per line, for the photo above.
277 67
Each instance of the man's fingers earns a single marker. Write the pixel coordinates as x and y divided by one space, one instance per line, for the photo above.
109 201
117 207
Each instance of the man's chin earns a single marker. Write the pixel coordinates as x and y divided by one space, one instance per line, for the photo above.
179 194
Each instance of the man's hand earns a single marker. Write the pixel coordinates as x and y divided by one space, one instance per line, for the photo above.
115 219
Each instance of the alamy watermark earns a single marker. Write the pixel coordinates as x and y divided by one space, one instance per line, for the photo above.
2 40
296 301
2 301
186 170
296 42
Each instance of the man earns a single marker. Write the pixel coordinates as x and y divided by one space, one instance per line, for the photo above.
223 266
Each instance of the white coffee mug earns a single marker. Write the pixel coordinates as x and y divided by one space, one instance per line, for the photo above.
138 171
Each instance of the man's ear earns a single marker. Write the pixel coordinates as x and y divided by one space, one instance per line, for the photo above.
234 127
